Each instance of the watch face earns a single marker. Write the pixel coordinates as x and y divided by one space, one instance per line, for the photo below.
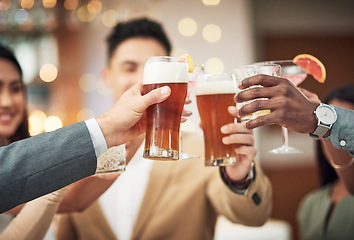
326 114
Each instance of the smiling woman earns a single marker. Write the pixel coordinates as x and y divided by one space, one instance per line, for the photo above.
13 111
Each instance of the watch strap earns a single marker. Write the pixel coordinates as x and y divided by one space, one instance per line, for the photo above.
320 130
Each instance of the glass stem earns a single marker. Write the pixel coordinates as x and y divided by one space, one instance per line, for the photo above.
285 137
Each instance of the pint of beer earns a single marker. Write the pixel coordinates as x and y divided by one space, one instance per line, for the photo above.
215 93
163 119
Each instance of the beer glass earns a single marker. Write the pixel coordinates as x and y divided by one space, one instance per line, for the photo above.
163 119
113 160
214 94
243 72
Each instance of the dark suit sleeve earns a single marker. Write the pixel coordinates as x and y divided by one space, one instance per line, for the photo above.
42 164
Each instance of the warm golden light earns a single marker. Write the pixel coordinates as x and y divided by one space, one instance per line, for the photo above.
212 33
109 18
211 2
5 5
94 6
85 114
49 3
71 4
88 82
214 65
48 72
84 15
27 4
52 123
187 27
36 122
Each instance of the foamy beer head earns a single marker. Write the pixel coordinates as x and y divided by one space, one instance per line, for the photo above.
163 119
165 70
214 95
216 84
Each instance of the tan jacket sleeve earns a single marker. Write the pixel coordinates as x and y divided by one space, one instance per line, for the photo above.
252 209
35 218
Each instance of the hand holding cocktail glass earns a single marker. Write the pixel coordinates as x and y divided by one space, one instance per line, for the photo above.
295 74
289 106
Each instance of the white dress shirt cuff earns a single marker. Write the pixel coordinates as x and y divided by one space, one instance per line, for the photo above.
99 143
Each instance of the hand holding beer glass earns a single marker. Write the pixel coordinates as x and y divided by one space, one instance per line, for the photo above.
215 93
243 72
163 119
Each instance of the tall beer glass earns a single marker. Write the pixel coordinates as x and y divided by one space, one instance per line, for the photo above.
215 93
163 119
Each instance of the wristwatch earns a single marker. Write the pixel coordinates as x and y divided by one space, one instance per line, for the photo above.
326 116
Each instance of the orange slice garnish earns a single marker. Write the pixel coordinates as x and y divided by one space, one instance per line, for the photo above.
189 60
312 66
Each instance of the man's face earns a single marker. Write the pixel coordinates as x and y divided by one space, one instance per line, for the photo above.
127 63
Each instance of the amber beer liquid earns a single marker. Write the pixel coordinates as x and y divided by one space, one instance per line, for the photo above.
214 96
163 119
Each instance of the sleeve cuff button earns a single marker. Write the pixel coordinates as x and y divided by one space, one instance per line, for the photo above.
342 143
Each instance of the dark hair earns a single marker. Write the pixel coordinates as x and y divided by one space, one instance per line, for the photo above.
22 131
327 173
137 28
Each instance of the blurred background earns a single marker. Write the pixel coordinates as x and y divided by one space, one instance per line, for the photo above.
61 48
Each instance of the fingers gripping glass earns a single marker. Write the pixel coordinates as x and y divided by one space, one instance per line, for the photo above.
296 75
243 72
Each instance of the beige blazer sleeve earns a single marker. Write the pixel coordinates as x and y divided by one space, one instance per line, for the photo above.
252 209
34 219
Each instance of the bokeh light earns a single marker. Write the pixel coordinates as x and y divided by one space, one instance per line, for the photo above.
214 65
94 6
211 2
49 3
5 5
187 27
27 4
88 82
85 114
48 72
84 15
36 122
71 4
212 33
109 18
21 16
52 123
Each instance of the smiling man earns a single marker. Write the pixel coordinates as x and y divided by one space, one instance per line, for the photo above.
168 199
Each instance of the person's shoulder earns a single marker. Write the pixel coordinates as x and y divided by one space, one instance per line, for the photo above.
316 196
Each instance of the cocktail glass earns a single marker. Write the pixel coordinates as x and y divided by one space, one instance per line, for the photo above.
243 72
296 75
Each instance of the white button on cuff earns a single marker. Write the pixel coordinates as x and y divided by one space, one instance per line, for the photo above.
342 143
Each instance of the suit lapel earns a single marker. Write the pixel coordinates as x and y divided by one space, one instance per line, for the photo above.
158 180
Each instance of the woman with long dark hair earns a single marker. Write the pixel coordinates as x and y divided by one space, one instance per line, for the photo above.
328 212
32 220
